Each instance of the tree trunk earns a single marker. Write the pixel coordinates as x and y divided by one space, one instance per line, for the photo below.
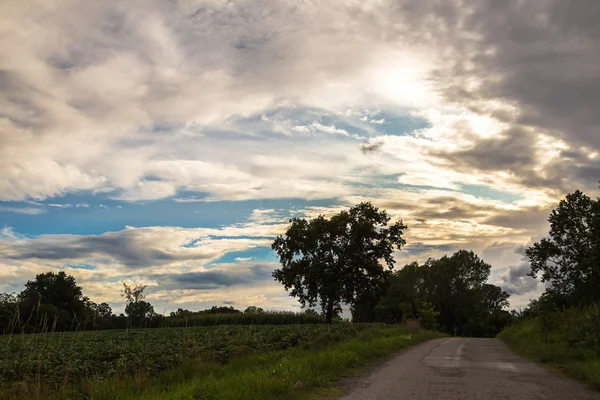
414 308
329 315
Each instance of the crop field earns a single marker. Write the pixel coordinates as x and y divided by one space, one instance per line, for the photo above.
59 359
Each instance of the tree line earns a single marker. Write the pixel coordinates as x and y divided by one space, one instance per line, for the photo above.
54 302
348 260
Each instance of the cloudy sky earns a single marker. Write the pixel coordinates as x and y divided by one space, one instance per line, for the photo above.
168 142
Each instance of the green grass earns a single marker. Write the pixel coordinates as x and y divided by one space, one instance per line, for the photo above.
558 347
309 366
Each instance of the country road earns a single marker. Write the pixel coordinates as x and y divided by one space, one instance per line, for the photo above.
463 369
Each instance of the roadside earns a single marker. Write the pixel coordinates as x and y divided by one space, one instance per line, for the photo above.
311 369
557 347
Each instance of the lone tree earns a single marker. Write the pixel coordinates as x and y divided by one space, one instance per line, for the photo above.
337 259
138 310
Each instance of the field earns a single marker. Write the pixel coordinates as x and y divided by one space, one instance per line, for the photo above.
62 364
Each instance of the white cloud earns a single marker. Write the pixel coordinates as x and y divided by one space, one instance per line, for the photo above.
22 210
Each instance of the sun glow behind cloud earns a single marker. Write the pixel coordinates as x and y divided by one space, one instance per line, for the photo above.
187 120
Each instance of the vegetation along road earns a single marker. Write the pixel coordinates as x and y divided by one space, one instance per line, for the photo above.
461 368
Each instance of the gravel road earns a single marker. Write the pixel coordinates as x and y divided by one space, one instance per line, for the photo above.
463 369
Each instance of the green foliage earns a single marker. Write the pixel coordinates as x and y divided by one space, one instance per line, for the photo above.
568 340
253 310
57 359
568 259
428 317
455 285
337 259
140 312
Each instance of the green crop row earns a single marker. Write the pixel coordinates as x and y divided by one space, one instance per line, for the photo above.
63 358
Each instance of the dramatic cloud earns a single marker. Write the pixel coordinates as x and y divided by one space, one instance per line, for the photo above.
515 280
467 119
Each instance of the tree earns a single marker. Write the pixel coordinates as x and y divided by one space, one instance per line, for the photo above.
53 298
452 285
8 312
134 293
569 259
253 310
57 289
338 259
138 311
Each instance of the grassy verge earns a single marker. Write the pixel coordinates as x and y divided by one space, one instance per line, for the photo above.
555 350
307 371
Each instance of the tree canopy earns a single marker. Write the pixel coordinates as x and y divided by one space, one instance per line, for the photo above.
452 289
337 259
568 260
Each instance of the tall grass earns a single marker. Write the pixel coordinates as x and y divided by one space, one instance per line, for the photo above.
567 341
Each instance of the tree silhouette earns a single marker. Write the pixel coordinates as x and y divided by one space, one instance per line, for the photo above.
337 259
569 259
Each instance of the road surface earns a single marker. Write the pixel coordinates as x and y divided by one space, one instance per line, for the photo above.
464 369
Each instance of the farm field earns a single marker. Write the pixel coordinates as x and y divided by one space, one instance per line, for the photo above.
57 364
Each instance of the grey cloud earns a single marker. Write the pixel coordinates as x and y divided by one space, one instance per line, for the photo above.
530 218
216 278
515 280
371 146
128 247
541 57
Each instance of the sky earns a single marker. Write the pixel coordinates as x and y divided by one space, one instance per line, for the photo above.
167 143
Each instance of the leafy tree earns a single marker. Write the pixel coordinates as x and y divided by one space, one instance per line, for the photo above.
338 259
569 259
57 289
253 310
137 310
133 293
8 312
451 283
53 301
222 310
455 285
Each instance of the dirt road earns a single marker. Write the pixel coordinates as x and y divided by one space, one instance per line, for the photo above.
464 369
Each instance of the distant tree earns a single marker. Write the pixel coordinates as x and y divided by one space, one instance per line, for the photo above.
8 312
138 311
133 293
53 300
181 313
493 298
569 259
338 259
102 310
57 289
222 310
455 285
253 310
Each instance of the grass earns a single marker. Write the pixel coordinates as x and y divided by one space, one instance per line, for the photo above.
561 347
306 368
